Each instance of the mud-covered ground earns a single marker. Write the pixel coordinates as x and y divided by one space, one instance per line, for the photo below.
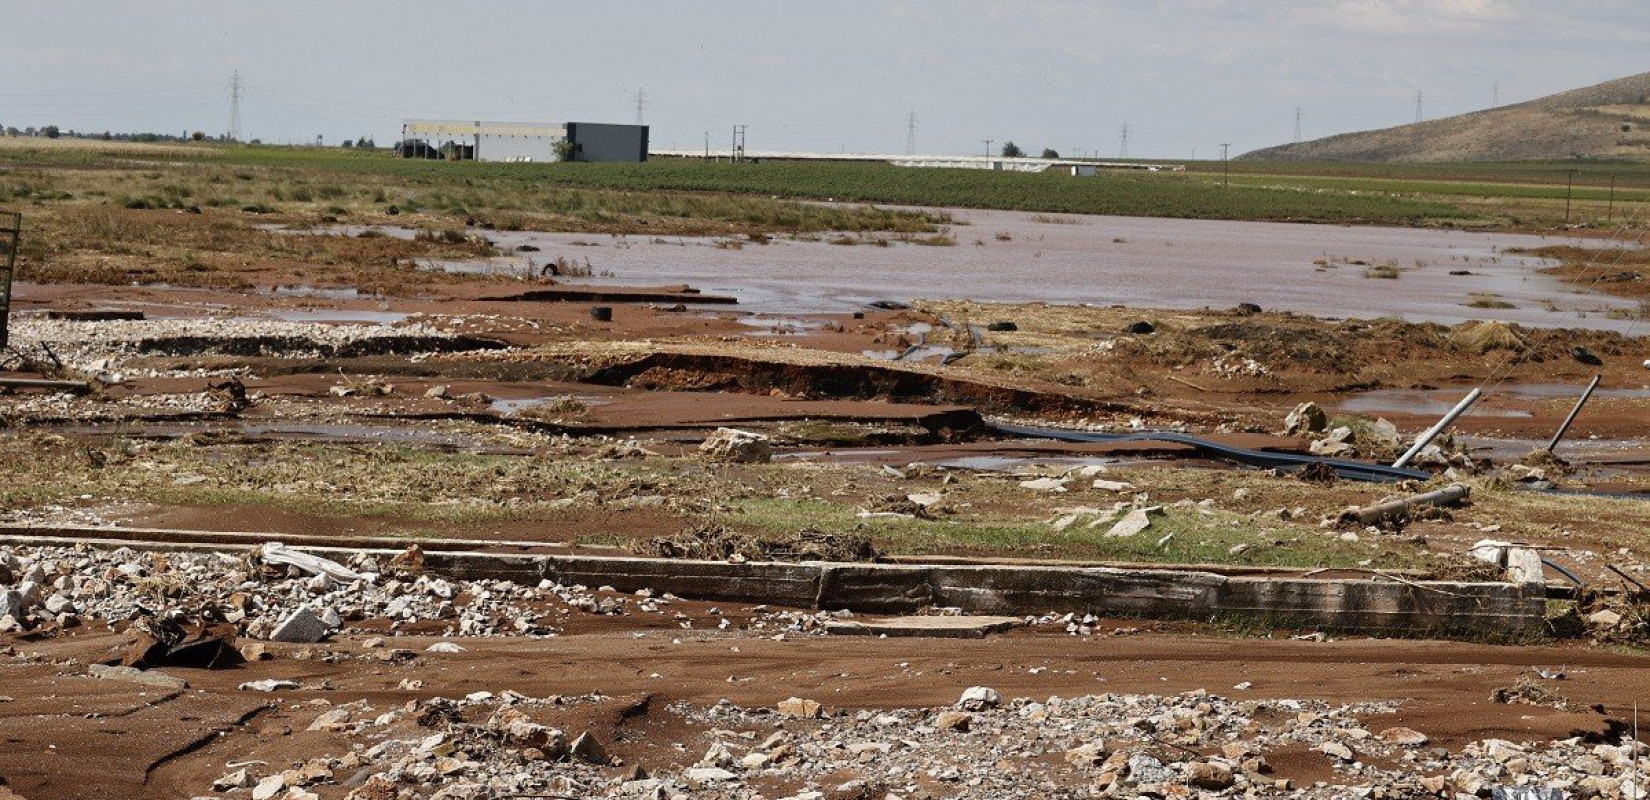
341 389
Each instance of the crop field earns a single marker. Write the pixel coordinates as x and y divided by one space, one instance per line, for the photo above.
464 188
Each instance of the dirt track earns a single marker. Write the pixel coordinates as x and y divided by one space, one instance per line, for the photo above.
1443 690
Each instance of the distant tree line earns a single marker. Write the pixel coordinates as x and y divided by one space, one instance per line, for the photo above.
55 132
1012 150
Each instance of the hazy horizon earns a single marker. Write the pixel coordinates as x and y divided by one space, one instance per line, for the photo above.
1182 76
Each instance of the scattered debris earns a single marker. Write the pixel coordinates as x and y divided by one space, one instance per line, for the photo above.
740 447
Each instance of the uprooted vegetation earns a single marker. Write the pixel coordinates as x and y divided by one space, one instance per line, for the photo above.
1097 349
1611 268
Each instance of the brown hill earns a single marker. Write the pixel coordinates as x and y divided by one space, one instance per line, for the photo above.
1609 120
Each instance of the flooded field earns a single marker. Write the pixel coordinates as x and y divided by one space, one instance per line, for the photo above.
1001 256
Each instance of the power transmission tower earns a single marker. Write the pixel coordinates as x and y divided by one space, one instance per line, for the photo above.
911 132
987 148
1495 95
738 153
641 105
235 107
1123 146
1225 170
1297 124
1418 97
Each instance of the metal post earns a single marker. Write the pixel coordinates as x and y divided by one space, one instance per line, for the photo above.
1610 210
1432 433
1581 401
1569 189
8 263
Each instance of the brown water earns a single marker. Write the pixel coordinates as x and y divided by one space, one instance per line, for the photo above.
1167 263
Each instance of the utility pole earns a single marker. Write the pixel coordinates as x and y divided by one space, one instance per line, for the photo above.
1610 210
1495 95
1418 97
641 105
911 132
1225 168
235 107
1297 124
738 150
707 145
1569 188
987 148
1123 148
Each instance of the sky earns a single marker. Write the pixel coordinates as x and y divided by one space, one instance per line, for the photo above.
813 76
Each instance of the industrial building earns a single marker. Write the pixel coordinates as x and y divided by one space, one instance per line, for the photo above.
522 142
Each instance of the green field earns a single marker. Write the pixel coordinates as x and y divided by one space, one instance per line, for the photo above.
529 187
752 195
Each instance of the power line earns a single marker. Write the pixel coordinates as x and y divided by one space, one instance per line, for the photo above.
235 107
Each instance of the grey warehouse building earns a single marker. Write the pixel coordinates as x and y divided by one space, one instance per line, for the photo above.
522 142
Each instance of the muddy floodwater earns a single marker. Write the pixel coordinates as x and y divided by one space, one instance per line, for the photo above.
1002 256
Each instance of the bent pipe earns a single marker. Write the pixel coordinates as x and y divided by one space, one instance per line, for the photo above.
1350 470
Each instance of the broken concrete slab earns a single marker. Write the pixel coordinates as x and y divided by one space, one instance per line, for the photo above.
303 626
159 680
1524 566
957 627
1133 523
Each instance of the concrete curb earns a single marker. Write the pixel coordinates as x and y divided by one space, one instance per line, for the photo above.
1373 606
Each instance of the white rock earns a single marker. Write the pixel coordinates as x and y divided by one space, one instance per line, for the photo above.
979 698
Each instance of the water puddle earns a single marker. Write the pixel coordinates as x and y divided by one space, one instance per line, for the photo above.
324 293
1006 256
912 354
1019 463
780 326
1509 400
513 406
340 315
1423 402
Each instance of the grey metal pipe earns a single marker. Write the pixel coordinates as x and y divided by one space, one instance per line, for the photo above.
1581 401
1370 515
1432 433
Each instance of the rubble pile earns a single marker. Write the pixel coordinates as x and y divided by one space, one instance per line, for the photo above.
265 597
1125 746
104 348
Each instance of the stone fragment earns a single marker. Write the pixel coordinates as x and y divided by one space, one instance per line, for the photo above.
159 680
269 787
1210 775
1146 768
239 779
738 446
1087 755
1604 618
954 721
336 719
1407 737
799 708
979 698
1306 418
585 748
1336 750
702 777
1132 523
303 626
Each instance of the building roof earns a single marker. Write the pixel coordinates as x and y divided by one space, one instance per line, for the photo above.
437 128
